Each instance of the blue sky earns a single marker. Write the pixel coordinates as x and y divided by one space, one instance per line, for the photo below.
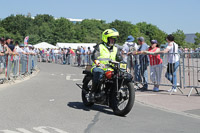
168 15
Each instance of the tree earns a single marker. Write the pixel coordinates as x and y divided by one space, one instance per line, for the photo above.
45 18
63 30
3 32
124 28
17 24
179 37
34 39
45 33
45 27
91 30
197 39
151 32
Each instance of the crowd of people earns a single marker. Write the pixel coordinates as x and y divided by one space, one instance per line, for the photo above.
144 55
138 57
10 54
80 56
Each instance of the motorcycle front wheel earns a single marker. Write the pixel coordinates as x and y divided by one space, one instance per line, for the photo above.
123 101
87 84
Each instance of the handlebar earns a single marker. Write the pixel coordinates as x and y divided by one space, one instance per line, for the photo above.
114 62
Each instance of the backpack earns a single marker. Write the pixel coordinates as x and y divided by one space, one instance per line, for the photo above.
132 49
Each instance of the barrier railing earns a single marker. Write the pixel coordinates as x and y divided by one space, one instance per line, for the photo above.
70 59
156 72
187 72
191 69
14 66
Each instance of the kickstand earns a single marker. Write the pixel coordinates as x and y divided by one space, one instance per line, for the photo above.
79 85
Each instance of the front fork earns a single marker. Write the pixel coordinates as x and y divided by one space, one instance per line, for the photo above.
118 87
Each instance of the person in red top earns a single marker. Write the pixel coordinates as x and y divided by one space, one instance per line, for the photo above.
155 63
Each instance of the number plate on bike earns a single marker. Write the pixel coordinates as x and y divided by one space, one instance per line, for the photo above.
122 66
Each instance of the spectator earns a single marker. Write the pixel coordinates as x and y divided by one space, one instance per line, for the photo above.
131 60
69 56
78 55
156 64
143 63
23 59
10 44
15 58
72 55
56 52
173 62
82 56
2 59
65 55
89 52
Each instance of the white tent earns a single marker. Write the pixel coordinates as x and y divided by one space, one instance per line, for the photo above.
75 45
44 45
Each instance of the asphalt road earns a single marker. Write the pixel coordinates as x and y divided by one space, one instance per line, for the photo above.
50 102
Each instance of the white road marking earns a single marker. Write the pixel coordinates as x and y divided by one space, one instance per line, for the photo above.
51 100
8 131
58 130
41 129
145 95
76 79
68 77
23 130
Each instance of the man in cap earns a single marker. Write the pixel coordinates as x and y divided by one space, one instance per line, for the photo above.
143 63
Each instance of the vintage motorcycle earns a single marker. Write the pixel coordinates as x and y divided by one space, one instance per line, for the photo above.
115 89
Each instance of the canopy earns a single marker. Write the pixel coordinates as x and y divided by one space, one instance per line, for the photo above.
75 45
44 45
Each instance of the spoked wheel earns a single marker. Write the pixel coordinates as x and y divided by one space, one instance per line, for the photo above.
123 102
87 84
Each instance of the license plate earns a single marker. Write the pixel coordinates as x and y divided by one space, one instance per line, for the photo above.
123 66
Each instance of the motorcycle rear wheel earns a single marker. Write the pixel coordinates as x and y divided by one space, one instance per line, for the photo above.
86 87
127 97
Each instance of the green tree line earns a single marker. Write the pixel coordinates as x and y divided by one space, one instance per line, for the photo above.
46 28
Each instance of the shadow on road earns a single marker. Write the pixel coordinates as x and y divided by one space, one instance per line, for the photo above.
100 108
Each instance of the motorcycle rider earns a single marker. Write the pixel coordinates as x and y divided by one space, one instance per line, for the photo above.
101 55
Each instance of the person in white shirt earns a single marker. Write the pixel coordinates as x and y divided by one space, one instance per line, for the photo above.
131 60
26 49
128 47
173 62
56 52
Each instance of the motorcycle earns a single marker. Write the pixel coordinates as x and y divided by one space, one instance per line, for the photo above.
115 89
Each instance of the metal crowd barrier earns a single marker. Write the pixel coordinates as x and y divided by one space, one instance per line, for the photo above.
191 69
167 70
3 68
139 68
70 59
14 66
188 72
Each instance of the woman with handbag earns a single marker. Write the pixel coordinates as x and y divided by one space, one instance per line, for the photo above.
173 61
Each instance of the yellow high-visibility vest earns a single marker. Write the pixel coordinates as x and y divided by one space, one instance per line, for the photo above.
106 55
